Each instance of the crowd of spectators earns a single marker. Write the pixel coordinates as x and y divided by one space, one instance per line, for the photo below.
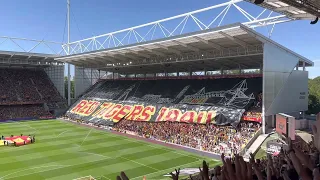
23 93
211 138
22 111
26 85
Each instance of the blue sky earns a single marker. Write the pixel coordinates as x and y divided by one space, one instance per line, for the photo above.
39 19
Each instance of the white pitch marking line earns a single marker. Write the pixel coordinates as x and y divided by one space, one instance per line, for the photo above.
139 163
62 133
86 137
27 126
97 155
106 177
108 157
38 167
165 170
149 144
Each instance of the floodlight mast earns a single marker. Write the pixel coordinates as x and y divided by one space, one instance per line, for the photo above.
68 48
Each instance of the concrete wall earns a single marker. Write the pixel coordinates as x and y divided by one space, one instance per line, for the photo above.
285 90
84 78
56 75
303 124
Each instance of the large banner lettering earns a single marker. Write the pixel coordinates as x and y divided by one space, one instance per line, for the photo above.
114 111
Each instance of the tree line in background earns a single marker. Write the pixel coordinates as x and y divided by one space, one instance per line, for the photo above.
314 95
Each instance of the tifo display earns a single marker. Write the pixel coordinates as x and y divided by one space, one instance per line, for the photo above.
212 115
216 101
16 140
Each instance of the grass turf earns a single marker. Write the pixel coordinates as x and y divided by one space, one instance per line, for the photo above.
64 151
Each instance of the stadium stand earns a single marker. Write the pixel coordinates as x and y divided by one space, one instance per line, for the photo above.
23 111
202 110
25 93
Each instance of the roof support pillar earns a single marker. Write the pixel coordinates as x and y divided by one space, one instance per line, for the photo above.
304 66
221 71
69 73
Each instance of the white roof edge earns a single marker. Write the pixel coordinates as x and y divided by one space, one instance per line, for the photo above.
27 54
251 32
177 37
264 39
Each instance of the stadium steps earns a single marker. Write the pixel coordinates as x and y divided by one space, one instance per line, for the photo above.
17 94
34 85
255 145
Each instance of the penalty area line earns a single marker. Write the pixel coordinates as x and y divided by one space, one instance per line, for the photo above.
86 137
22 124
31 168
168 170
62 133
139 163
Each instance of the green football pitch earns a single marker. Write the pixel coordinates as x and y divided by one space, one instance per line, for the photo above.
65 151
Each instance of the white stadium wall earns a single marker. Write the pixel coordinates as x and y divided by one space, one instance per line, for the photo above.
56 74
84 78
285 90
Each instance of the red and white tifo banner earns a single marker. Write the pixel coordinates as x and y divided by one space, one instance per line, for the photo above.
252 118
19 140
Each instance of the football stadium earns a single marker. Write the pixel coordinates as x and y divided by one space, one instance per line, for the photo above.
161 99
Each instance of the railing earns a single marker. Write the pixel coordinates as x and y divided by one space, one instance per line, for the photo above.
246 148
190 77
13 103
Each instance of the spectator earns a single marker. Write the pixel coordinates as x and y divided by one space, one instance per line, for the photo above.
217 139
22 111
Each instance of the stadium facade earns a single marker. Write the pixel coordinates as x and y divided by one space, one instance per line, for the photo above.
283 72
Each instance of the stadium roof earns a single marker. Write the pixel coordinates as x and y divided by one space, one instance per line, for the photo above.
227 47
298 9
23 59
